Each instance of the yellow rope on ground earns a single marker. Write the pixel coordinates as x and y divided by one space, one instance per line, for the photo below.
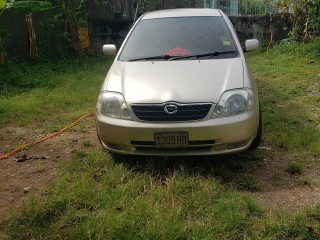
44 139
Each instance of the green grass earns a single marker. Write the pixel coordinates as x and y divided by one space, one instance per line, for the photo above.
101 196
289 87
98 197
103 199
58 92
295 168
248 182
87 143
307 181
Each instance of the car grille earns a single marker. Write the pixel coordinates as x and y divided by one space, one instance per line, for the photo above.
186 112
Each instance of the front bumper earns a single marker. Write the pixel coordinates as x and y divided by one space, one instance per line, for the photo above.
207 137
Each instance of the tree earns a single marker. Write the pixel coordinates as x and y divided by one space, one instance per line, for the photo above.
27 8
306 19
75 17
3 33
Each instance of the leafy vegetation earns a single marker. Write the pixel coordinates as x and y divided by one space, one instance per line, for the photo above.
306 20
26 7
254 7
62 27
101 196
310 51
74 13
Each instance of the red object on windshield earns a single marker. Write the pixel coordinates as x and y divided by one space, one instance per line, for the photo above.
177 52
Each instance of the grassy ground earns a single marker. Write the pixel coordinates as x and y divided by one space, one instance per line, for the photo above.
58 91
289 84
99 196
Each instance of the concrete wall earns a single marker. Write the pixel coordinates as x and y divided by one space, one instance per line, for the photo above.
258 26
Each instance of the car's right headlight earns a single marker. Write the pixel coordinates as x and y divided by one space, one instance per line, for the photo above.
113 104
234 102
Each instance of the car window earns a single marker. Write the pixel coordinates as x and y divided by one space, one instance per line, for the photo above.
179 36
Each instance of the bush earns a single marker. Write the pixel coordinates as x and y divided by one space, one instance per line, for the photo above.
309 50
306 20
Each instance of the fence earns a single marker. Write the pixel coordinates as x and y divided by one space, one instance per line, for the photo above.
246 7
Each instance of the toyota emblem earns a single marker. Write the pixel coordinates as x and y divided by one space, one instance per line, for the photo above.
171 109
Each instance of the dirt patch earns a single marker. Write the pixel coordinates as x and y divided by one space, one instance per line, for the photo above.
21 180
284 191
278 189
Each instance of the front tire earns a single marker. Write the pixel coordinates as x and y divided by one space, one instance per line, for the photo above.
257 140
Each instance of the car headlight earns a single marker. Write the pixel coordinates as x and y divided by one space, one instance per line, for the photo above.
113 104
234 102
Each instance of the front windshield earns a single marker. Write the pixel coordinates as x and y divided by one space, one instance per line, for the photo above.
179 36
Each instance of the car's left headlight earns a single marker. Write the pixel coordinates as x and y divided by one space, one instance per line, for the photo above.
234 102
113 104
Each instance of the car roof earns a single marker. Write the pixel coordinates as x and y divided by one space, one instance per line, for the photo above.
183 12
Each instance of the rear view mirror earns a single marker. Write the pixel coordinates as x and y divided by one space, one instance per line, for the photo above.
251 45
109 49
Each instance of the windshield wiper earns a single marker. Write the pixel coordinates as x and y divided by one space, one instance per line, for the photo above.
160 57
211 54
170 57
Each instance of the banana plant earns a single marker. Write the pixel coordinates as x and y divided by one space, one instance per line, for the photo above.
26 7
75 15
3 32
3 5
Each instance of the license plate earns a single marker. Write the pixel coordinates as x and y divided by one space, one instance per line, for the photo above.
171 140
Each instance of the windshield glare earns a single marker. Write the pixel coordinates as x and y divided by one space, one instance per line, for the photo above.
180 36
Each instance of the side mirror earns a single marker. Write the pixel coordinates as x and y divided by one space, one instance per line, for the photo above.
109 50
251 45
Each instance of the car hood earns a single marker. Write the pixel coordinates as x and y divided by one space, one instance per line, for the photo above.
181 81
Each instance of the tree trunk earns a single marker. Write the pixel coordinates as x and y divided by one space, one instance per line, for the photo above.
1 54
71 28
31 36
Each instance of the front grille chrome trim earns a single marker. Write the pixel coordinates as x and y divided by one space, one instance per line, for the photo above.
184 113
